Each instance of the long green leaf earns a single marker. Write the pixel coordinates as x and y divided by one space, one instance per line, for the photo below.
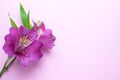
28 19
24 17
13 24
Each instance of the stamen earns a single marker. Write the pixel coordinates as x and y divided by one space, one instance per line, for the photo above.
25 41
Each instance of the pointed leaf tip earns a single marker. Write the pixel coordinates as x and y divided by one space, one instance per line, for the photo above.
13 24
28 19
24 17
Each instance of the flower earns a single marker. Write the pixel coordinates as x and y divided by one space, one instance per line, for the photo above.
46 36
26 44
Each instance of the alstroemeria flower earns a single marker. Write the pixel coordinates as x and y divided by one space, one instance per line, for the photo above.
46 36
26 44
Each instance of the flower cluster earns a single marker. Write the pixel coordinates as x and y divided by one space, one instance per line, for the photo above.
26 42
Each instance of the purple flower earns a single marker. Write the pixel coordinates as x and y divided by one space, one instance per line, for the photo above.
46 36
26 44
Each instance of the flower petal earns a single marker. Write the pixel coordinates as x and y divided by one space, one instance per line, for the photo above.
22 31
24 61
10 44
13 31
47 39
11 41
33 51
30 34
42 26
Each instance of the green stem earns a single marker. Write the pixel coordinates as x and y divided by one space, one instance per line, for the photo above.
11 62
5 67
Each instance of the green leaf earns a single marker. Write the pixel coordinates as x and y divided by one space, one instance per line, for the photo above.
28 19
13 24
38 23
24 17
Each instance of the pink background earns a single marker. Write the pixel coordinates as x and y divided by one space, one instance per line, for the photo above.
87 45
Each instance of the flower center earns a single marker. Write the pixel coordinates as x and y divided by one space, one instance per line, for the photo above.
25 41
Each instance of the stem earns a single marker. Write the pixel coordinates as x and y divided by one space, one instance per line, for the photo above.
11 62
5 67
